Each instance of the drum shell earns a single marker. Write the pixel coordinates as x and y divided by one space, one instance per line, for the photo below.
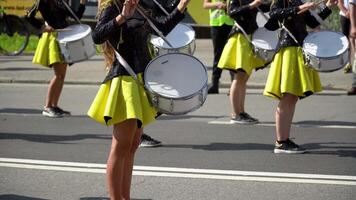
181 31
79 49
260 38
178 106
329 64
186 102
320 43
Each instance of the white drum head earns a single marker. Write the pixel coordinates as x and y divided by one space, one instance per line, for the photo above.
265 39
74 32
180 36
175 75
325 44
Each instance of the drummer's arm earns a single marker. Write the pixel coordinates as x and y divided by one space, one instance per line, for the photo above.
106 26
312 22
207 4
279 12
80 11
236 10
167 23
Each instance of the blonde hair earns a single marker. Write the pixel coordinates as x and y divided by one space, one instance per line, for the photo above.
107 48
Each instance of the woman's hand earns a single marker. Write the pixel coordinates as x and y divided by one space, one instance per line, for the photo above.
221 5
129 8
47 28
183 5
331 3
306 6
255 3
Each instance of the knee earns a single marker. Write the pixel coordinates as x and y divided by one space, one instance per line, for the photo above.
60 77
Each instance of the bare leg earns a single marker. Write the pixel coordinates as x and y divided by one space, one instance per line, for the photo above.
56 84
284 116
238 92
122 142
242 78
129 162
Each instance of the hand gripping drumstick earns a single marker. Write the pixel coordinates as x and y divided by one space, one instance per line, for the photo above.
305 9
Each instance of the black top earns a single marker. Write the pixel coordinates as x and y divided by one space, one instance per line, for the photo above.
133 36
286 12
54 13
244 15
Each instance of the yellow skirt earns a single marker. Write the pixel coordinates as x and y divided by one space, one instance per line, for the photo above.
120 99
239 55
48 51
289 74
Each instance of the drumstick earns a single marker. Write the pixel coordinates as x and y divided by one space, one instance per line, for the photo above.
62 29
316 3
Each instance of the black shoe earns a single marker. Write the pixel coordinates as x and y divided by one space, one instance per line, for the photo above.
213 89
147 141
288 147
63 112
352 91
243 118
51 112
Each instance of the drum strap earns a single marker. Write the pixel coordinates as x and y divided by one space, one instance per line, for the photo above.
71 11
160 34
161 7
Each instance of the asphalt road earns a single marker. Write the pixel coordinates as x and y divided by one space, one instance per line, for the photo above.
203 156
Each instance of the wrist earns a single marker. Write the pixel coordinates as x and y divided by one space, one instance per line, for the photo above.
123 17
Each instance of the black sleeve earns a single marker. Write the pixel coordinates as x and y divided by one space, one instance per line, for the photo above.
236 10
279 12
311 20
106 25
79 13
31 13
167 23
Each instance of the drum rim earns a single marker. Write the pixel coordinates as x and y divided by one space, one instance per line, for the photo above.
177 53
67 41
313 33
180 47
263 28
164 111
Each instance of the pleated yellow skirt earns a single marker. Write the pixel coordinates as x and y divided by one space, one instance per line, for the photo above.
120 99
288 74
48 51
239 55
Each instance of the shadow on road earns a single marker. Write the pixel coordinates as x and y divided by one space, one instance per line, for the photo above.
56 139
17 197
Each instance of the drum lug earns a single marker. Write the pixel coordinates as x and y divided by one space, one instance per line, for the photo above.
201 97
155 101
341 61
172 105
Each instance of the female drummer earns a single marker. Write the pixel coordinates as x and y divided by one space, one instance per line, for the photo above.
48 53
239 57
289 78
121 100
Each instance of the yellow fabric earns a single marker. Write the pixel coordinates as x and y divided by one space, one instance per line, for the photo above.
238 55
288 74
120 99
219 17
48 51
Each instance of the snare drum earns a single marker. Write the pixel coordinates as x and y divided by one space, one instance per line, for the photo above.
76 43
326 51
182 38
177 83
265 43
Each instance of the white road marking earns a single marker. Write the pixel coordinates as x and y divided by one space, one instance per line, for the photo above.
183 172
295 125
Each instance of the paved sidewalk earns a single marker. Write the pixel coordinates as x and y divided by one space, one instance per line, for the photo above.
20 69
